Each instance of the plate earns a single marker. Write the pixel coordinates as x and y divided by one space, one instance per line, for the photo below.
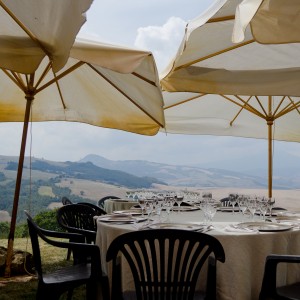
265 226
294 219
228 209
191 227
132 212
119 218
185 208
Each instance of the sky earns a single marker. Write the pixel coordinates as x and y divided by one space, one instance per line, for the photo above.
158 26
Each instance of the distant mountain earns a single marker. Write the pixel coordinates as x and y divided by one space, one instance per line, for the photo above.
86 171
190 176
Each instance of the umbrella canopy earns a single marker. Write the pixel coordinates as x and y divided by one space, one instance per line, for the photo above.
236 89
85 81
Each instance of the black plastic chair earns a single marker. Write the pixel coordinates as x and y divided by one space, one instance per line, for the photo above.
83 272
102 200
165 264
66 201
78 218
99 211
269 290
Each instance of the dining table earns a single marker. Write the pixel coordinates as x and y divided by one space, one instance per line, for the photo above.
111 205
246 248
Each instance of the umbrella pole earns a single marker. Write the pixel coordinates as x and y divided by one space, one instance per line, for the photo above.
11 236
270 121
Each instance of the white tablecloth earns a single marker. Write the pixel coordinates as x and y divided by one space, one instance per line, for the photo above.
111 205
240 277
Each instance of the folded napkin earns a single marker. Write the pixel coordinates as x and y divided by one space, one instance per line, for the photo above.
234 228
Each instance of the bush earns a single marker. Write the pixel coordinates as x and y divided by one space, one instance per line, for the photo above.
47 220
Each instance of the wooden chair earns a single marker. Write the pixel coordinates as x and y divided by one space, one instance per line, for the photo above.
102 200
83 272
269 290
165 264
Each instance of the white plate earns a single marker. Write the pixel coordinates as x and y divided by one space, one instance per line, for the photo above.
227 209
190 227
265 226
185 208
132 212
118 218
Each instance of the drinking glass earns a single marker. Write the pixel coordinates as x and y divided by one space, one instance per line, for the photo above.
264 207
271 202
148 208
252 206
178 199
142 203
210 212
232 198
242 202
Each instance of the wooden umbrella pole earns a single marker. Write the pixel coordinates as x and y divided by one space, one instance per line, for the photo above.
11 236
270 121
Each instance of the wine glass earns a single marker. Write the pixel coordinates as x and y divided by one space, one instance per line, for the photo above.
264 207
271 202
242 203
178 199
232 199
148 208
168 205
252 206
142 203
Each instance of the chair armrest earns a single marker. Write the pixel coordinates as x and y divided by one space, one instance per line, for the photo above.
269 280
89 234
277 258
75 237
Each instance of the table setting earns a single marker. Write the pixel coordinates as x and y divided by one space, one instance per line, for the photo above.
245 235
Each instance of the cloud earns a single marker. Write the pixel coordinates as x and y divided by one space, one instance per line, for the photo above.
163 41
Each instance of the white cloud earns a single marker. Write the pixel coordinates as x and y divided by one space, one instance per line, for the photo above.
163 41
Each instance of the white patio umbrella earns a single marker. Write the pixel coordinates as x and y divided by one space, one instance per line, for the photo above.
236 89
85 81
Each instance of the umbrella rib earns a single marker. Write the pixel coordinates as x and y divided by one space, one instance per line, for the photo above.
261 106
243 107
221 19
246 106
28 32
63 74
143 78
59 91
184 101
278 106
45 72
213 55
125 95
288 108
16 79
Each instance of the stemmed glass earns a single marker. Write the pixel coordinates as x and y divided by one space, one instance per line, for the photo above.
242 202
148 208
142 203
178 199
232 198
271 202
168 205
252 206
263 206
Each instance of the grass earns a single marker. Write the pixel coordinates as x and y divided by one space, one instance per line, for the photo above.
24 287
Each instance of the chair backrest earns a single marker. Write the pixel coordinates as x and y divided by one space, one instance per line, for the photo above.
34 233
77 216
99 211
165 262
66 201
102 200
